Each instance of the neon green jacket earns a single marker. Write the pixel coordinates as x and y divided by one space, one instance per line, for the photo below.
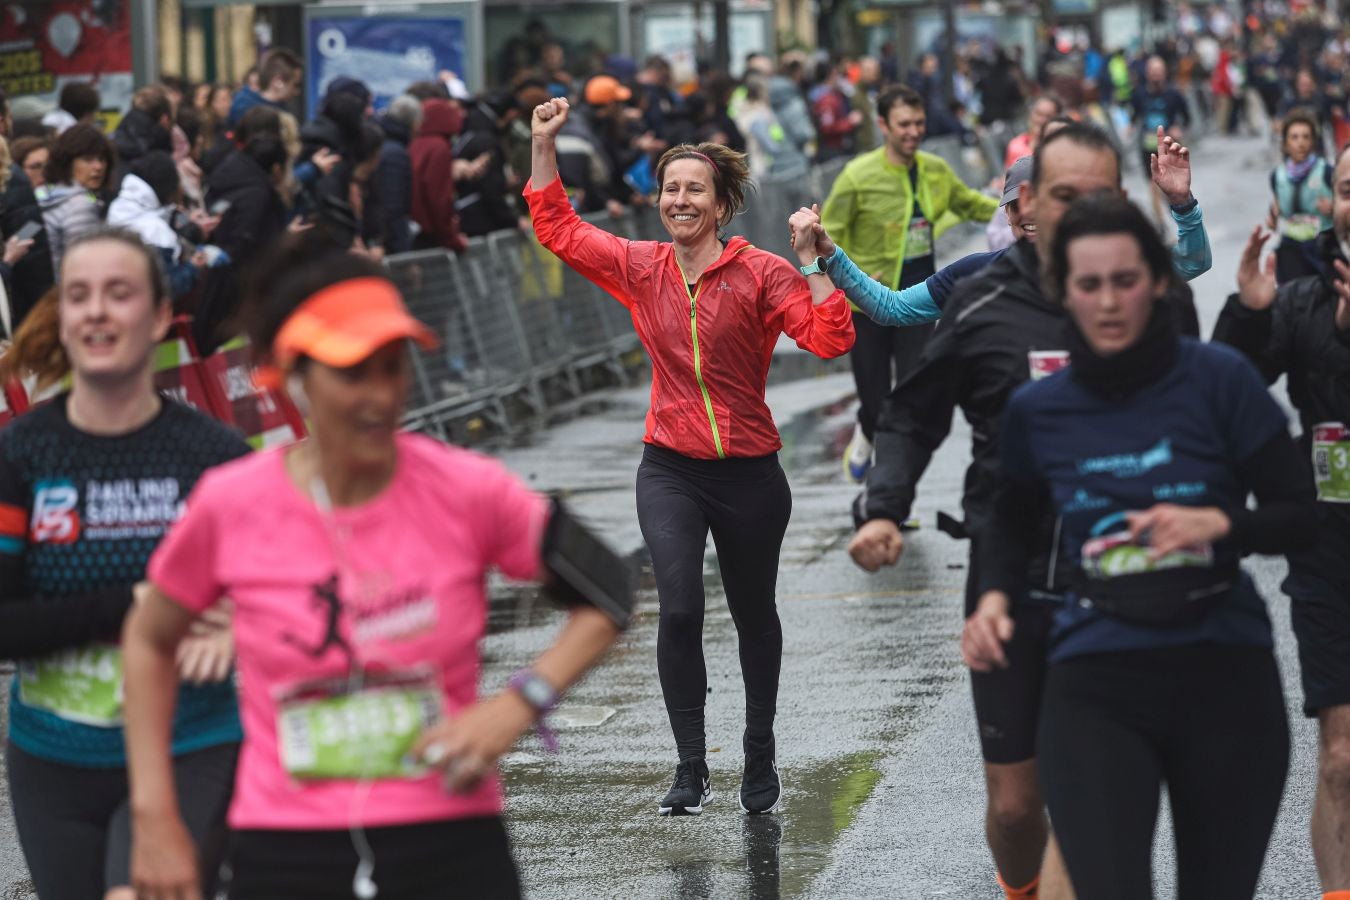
870 205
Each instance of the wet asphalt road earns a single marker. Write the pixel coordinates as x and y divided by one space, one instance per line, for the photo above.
876 741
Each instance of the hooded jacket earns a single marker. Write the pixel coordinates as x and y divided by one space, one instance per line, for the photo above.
137 134
484 205
255 220
710 346
1297 336
393 186
998 331
68 211
433 183
138 209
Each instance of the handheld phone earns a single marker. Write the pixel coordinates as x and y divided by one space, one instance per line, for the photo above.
219 208
29 231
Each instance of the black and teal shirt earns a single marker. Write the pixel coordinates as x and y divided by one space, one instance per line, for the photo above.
1183 440
80 514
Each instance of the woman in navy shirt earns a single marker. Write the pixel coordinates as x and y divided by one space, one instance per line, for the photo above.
1148 446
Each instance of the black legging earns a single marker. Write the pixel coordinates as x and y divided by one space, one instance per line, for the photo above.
882 357
1209 721
745 503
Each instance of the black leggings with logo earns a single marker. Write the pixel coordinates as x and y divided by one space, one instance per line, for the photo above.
745 503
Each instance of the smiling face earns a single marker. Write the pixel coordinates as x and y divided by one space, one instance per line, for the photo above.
110 320
1110 290
690 208
904 127
359 408
1340 204
1068 171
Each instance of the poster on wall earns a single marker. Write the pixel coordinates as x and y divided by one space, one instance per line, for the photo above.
387 53
46 43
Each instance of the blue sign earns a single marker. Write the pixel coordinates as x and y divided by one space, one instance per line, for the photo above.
386 53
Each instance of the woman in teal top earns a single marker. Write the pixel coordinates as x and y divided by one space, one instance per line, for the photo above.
1301 209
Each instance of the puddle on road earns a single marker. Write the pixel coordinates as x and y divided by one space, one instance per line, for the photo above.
719 854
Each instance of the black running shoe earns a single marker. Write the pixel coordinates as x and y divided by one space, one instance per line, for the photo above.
690 791
761 788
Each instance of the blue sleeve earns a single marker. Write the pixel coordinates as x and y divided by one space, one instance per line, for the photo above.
911 306
307 173
1191 255
940 284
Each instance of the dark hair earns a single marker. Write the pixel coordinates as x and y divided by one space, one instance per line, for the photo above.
21 148
372 138
731 175
267 150
30 126
77 142
4 103
152 100
1060 119
190 120
1104 213
348 113
899 93
80 99
158 170
428 90
278 63
1049 98
175 83
1078 133
154 263
299 268
255 122
1301 116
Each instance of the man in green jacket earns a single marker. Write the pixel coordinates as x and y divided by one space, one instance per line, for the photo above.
882 211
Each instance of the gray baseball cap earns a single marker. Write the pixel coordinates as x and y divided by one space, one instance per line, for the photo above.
1017 173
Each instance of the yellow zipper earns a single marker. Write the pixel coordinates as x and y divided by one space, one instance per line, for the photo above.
698 362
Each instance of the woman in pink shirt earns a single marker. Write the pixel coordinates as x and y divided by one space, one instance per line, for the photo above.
357 563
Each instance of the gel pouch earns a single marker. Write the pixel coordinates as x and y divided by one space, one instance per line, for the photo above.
585 570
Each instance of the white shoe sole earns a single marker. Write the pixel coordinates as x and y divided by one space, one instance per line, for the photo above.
685 810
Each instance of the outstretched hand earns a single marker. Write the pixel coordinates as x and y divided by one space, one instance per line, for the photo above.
1256 283
1171 169
549 117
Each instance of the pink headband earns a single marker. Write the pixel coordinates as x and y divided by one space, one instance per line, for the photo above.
707 159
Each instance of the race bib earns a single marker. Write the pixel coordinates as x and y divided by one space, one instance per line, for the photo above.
362 734
919 240
1331 462
1044 363
1116 554
82 685
1302 227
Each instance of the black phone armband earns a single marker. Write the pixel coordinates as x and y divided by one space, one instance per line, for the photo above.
584 570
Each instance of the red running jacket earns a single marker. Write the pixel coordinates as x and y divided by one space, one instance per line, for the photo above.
711 348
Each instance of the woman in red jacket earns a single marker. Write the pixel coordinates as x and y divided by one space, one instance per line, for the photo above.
709 313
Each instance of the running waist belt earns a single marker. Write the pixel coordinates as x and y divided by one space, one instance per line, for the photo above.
1172 596
585 570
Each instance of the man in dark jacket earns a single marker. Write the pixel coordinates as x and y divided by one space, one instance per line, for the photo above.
1302 330
145 127
394 174
998 331
485 202
433 184
256 219
31 276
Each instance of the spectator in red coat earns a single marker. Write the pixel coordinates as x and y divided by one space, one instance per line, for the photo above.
433 191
